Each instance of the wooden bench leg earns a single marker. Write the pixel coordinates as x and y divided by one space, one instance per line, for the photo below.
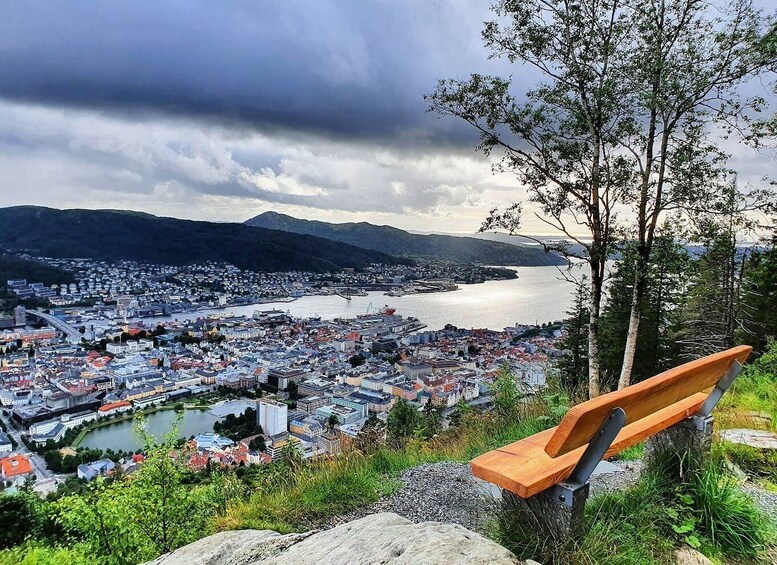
686 446
680 449
547 516
559 511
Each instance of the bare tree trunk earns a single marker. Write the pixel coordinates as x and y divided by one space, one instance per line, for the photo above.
631 344
593 329
635 316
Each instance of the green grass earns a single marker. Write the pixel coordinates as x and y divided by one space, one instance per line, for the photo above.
645 523
632 453
331 487
320 490
622 528
759 464
752 399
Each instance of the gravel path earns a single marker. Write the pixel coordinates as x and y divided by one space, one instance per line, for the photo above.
440 492
447 492
766 500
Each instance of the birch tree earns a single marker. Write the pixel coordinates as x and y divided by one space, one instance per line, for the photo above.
682 74
561 136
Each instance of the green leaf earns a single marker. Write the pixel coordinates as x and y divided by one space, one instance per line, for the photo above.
686 499
684 529
693 541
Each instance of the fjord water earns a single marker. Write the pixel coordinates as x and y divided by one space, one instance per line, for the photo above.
538 295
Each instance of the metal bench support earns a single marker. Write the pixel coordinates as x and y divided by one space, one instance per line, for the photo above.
560 510
689 441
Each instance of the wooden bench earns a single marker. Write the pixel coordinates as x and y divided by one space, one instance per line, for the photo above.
550 470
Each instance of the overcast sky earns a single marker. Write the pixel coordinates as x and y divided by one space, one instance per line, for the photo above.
223 110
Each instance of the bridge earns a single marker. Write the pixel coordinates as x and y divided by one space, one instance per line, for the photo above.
70 332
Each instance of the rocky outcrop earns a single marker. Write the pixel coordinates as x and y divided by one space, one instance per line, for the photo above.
759 439
380 538
688 556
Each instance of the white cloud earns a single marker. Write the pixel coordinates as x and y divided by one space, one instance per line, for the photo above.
68 158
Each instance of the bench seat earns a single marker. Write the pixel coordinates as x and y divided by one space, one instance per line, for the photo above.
526 469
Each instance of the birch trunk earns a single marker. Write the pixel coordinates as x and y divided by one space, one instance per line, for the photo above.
630 350
593 329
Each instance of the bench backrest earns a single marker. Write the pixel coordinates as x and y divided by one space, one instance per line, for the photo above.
582 421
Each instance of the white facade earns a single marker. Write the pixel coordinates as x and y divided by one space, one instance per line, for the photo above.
273 417
5 444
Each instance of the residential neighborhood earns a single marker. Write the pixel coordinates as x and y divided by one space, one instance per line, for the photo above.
266 383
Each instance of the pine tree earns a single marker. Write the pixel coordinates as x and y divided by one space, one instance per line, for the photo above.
711 316
665 285
573 364
759 298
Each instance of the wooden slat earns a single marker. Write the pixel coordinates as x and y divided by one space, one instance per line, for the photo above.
642 399
526 469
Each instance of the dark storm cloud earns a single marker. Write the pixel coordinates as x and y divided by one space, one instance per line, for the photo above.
355 69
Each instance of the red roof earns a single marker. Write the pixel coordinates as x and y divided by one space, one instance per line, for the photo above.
113 406
15 466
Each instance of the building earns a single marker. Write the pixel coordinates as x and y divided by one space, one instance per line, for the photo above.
358 405
310 404
50 434
308 426
344 414
20 316
280 379
276 444
114 408
207 376
90 471
210 442
330 443
416 368
5 443
14 467
314 388
272 417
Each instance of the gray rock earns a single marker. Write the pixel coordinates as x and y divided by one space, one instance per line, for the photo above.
606 468
380 538
688 556
213 549
760 439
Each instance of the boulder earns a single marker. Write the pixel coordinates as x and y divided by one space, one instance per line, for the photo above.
688 556
378 538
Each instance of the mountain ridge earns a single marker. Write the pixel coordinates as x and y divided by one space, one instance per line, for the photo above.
397 242
139 236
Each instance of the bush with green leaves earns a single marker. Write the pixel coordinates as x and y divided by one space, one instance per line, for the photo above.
507 397
402 421
167 509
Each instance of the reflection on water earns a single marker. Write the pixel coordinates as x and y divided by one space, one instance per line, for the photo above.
120 436
538 295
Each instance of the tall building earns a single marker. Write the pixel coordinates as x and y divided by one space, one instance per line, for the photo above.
20 316
272 416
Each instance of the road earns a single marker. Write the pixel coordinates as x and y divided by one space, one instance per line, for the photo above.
71 333
38 463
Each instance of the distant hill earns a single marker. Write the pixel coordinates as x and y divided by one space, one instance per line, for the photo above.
113 235
12 267
399 242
